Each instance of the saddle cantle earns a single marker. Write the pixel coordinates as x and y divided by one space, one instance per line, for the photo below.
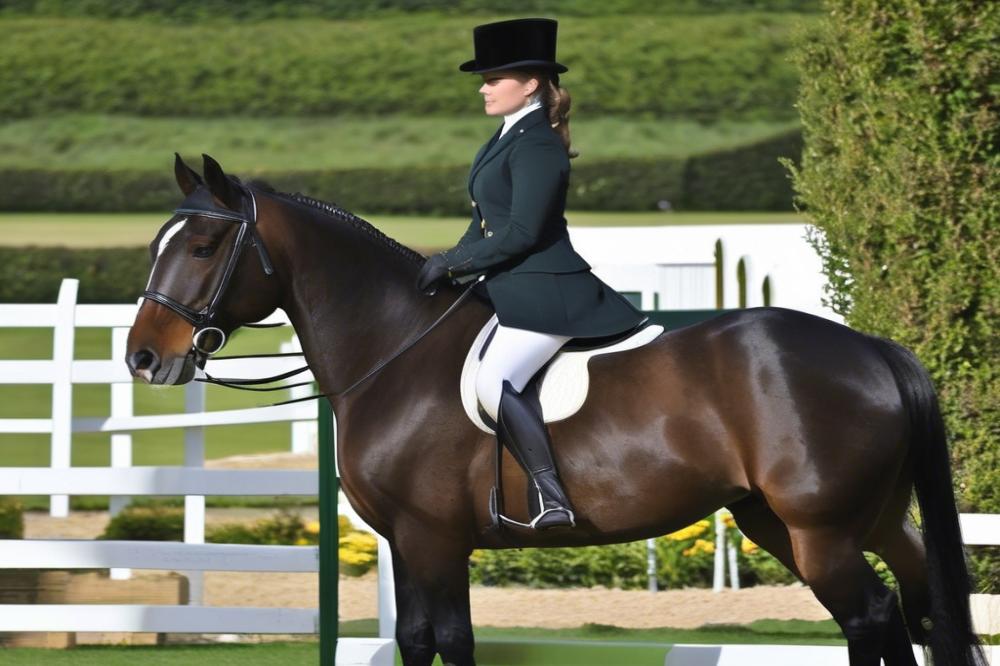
561 385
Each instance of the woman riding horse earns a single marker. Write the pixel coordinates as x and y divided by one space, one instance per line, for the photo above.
543 291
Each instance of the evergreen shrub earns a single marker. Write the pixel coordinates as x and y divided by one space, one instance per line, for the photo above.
746 178
11 518
901 175
107 275
256 10
705 68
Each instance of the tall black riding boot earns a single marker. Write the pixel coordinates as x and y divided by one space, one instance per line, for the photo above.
522 429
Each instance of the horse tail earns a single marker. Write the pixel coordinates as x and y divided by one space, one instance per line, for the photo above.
951 637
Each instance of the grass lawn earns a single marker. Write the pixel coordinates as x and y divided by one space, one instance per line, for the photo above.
135 229
248 145
590 645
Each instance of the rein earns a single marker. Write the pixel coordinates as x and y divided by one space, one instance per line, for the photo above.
203 319
250 384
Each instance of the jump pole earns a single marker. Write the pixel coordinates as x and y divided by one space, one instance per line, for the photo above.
329 538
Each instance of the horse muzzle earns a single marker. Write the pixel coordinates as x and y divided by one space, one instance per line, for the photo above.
147 365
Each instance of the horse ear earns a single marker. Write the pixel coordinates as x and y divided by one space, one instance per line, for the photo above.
220 184
187 178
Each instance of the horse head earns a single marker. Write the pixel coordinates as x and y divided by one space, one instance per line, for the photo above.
211 273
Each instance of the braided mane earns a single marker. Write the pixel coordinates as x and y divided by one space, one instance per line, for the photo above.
339 213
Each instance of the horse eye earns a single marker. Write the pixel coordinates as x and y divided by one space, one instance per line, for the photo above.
203 251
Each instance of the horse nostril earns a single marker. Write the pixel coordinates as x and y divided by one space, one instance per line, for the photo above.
144 359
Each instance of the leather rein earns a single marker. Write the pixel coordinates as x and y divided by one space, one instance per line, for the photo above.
204 319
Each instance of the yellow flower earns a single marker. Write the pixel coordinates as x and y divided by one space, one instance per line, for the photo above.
748 546
728 520
689 532
700 546
301 541
312 527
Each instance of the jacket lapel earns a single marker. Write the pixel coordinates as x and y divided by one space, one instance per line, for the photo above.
515 131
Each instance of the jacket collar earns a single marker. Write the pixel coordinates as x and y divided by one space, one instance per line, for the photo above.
516 130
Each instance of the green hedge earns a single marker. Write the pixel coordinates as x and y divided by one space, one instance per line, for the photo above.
683 559
107 275
746 178
11 518
729 66
902 176
185 10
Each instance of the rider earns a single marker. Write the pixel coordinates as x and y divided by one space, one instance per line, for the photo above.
542 290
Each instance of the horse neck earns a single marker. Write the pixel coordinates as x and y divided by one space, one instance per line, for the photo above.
351 298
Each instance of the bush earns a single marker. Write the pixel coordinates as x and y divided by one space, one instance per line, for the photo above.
901 175
286 528
255 10
11 518
684 559
747 178
984 568
146 523
693 67
110 275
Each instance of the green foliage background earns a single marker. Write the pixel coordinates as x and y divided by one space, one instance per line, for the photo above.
696 67
186 10
901 174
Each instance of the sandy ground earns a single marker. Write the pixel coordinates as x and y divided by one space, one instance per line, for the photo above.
498 607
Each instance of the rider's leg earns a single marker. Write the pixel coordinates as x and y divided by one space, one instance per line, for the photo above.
512 358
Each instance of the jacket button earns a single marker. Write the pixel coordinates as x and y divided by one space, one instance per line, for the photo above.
473 204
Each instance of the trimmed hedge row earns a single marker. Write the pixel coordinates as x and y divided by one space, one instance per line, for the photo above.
107 275
728 66
745 178
183 10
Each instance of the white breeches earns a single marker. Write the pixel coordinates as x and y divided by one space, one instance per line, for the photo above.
514 354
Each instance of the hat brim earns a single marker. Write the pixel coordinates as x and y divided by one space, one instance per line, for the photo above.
472 67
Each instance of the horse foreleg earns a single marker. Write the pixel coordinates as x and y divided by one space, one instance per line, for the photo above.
437 579
414 632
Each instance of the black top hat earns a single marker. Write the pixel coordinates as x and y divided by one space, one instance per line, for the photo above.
512 44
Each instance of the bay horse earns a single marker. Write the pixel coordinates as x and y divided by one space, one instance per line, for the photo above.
812 434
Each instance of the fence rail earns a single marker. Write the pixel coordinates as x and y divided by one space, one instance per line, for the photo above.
122 480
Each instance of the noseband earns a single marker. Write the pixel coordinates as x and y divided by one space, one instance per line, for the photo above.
204 319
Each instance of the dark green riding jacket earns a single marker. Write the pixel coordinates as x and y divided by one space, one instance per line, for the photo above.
518 237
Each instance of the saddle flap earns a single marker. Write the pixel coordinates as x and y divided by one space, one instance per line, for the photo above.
561 384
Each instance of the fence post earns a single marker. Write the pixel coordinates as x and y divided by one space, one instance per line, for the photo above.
719 574
719 275
63 338
651 564
194 505
734 572
121 443
304 437
329 537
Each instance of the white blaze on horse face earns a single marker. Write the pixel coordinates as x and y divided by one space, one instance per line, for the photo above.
170 233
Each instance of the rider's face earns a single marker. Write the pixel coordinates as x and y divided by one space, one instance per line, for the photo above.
504 92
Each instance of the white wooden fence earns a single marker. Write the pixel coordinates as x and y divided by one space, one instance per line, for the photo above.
122 480
191 480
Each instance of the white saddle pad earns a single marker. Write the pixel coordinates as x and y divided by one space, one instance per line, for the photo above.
563 387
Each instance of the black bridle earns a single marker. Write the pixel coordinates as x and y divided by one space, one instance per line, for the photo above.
202 204
204 319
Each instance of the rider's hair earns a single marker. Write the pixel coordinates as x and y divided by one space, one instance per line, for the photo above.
556 101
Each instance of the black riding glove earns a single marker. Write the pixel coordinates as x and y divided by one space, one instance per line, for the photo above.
435 270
